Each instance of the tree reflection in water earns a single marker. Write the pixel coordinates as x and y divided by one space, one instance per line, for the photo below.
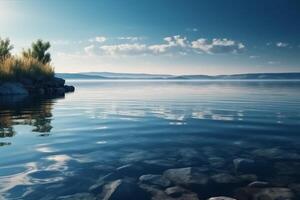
19 110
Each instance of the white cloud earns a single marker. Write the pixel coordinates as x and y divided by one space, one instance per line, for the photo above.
253 57
282 44
100 39
172 45
124 49
89 50
217 45
130 38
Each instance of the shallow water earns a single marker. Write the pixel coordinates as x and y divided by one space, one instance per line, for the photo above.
51 148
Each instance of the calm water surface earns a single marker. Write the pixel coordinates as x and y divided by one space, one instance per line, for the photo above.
50 148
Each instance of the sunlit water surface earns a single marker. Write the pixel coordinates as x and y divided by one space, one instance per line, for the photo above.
59 147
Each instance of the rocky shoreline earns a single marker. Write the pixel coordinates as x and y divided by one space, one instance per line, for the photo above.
40 87
157 181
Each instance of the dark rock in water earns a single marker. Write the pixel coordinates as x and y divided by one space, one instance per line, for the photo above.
40 86
26 82
69 88
12 88
224 179
78 196
122 189
243 165
103 180
221 198
174 193
259 184
154 179
189 177
130 170
59 91
59 82
272 193
247 178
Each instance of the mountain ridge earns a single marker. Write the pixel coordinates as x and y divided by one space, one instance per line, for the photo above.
246 76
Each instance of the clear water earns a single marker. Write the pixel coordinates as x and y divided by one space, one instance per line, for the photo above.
55 147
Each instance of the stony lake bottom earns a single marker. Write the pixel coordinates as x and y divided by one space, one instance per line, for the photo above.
153 139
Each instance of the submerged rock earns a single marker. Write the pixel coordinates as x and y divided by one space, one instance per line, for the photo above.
122 189
272 193
174 193
154 179
244 165
224 178
78 196
189 176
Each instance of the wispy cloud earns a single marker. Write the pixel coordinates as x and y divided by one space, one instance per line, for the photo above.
282 44
173 44
216 46
99 39
131 38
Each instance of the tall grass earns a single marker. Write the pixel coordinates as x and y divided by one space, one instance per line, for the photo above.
15 68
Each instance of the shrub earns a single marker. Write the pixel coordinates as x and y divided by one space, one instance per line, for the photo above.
5 48
39 51
16 68
33 64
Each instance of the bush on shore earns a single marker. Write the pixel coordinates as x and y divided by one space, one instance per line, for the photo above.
33 64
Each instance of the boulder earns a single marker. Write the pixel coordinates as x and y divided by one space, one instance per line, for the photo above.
122 189
12 88
69 88
224 178
189 177
271 193
174 193
59 82
154 179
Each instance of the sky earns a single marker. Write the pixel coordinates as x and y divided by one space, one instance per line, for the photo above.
159 36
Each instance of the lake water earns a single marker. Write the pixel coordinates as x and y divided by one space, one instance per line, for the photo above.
54 148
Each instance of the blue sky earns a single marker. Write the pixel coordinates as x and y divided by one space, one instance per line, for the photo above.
160 36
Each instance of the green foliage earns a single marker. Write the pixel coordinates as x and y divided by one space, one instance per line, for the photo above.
33 64
5 48
39 51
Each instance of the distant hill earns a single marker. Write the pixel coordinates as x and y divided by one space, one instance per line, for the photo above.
111 75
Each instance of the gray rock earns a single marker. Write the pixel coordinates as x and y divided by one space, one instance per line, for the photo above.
224 178
155 180
248 177
216 162
122 189
221 198
189 176
273 193
157 194
12 88
175 191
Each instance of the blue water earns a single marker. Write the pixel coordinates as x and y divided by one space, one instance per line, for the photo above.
51 148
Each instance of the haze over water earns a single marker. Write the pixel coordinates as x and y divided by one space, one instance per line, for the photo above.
54 148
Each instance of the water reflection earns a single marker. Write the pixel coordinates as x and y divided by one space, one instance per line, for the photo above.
20 110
